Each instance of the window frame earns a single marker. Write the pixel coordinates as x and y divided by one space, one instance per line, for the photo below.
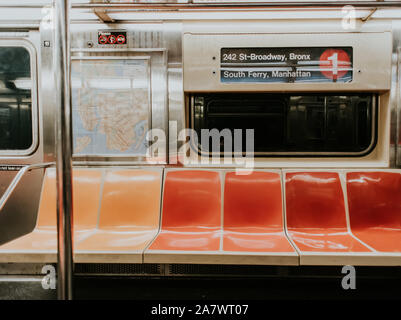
296 154
23 43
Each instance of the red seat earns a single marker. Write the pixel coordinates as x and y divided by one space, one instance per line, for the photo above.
253 218
191 219
316 218
375 209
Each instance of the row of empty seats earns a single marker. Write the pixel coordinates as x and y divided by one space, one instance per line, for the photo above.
271 217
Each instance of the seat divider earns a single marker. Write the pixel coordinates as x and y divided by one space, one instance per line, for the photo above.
222 187
284 205
343 181
163 179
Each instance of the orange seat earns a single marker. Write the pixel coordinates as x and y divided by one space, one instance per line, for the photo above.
43 239
253 216
129 216
375 209
316 218
191 219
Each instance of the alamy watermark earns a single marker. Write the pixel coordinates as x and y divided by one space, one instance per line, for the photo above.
348 21
49 281
213 147
349 280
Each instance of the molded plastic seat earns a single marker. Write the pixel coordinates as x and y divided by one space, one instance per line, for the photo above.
41 244
191 218
375 209
316 220
129 217
128 221
253 220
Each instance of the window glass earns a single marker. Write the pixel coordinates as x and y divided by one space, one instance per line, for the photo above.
291 123
15 99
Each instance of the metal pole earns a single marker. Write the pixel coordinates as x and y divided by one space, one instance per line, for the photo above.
63 150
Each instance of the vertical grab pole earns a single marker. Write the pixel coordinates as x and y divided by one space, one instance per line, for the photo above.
63 150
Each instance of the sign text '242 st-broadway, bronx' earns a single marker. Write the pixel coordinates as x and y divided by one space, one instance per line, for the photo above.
295 64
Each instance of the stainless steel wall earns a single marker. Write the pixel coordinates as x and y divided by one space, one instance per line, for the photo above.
159 35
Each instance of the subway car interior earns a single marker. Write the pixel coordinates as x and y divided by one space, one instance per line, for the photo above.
192 143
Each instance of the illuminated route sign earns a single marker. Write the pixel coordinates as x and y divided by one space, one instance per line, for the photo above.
112 37
286 65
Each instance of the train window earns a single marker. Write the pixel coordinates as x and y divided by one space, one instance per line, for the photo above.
110 106
17 92
291 124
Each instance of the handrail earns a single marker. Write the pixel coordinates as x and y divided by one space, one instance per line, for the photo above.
14 183
216 4
233 5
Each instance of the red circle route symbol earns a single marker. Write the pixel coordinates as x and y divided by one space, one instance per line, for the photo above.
102 39
121 39
112 39
334 63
